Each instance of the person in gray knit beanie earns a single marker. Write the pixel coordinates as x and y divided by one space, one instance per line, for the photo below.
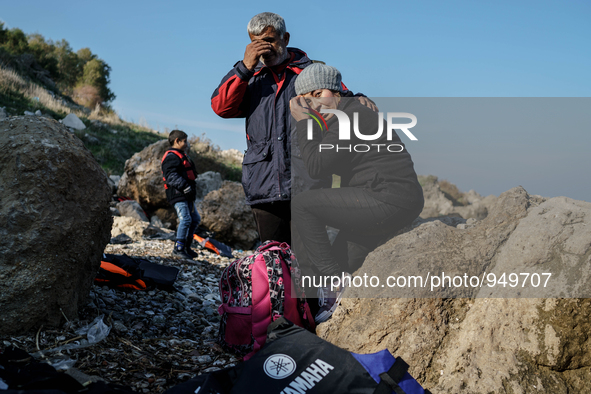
317 87
379 192
318 76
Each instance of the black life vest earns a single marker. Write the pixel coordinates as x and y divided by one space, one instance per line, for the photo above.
186 163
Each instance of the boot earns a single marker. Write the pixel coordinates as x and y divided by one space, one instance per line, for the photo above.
179 251
188 249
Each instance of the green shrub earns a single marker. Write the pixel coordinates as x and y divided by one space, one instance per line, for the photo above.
66 68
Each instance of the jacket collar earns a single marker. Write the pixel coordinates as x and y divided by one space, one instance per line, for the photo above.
178 150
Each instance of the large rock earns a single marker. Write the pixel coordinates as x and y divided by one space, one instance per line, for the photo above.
54 210
142 177
477 344
225 211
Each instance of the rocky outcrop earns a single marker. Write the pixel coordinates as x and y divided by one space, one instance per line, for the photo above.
444 199
225 211
477 344
142 177
54 210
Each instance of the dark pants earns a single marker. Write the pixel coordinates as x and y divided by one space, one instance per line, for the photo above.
363 221
273 221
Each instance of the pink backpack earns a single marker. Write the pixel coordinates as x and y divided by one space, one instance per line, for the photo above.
255 291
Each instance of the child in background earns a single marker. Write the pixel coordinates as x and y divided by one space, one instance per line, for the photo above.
179 176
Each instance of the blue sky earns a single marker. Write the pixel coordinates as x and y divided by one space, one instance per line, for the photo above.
168 57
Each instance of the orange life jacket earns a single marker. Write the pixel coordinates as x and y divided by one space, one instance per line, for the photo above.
113 275
186 163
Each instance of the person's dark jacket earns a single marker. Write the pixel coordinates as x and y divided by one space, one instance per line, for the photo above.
387 176
262 97
177 178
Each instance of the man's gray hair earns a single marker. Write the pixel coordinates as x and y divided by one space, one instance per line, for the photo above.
261 21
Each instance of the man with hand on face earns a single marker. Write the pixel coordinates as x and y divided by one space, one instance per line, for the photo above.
259 88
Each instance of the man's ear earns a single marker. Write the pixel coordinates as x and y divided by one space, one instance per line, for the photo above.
286 38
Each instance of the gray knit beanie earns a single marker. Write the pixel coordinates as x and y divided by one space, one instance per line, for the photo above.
318 76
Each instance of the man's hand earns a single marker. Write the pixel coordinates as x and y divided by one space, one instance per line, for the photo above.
299 108
368 103
254 51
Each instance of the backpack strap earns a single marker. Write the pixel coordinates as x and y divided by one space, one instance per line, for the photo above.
261 304
390 379
290 304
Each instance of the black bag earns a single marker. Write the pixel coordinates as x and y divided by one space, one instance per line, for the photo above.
295 361
122 271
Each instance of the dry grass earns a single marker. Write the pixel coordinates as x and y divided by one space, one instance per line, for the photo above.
10 80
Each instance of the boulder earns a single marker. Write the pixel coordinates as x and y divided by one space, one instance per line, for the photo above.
205 183
530 345
71 120
3 113
142 177
132 209
225 211
54 210
477 344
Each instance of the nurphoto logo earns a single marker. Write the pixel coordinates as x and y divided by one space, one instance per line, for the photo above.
345 130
